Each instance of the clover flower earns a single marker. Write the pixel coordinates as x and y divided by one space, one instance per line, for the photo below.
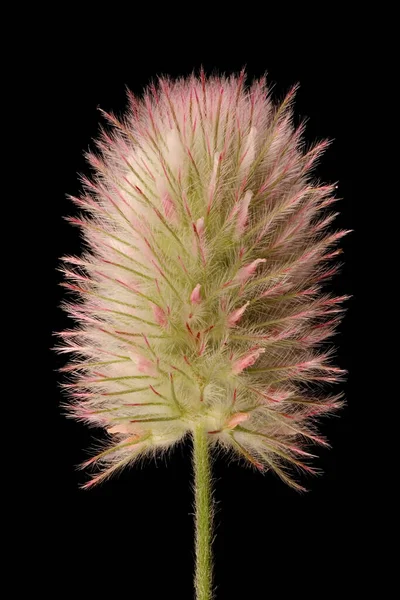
199 296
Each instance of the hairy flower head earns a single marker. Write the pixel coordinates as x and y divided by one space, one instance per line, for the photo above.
198 298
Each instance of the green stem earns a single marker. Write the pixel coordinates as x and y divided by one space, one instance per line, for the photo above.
204 514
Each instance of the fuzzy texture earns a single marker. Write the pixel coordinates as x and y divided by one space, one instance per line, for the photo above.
198 298
204 514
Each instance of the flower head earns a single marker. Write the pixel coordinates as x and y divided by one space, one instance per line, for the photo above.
199 297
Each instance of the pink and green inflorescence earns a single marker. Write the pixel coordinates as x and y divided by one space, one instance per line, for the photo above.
199 297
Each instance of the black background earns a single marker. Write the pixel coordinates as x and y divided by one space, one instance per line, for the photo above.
134 535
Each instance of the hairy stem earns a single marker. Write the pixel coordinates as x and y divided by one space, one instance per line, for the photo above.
203 515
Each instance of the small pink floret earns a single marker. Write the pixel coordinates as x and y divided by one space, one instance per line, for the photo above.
195 297
236 315
236 419
248 270
247 360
